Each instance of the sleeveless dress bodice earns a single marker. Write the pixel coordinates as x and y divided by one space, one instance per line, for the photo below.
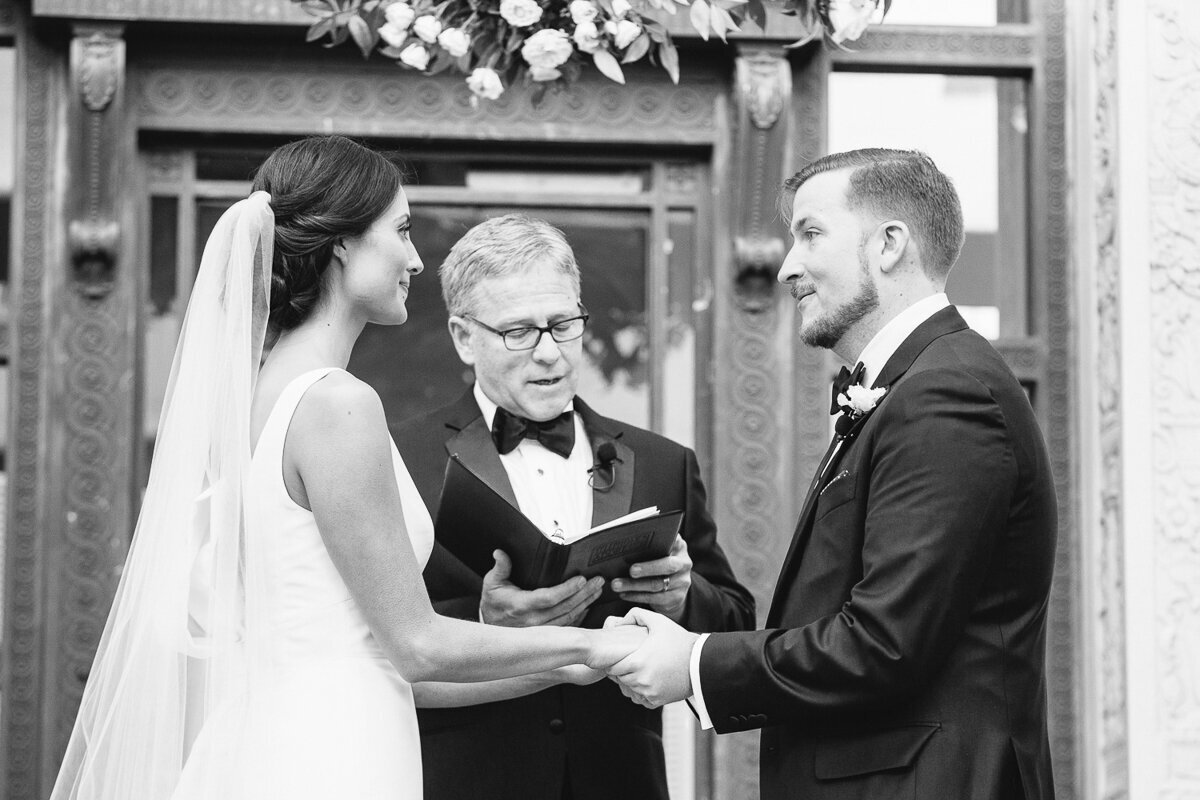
338 721
311 609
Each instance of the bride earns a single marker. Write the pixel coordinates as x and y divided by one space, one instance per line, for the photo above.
271 632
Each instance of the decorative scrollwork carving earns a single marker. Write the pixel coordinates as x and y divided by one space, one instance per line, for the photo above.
98 71
764 81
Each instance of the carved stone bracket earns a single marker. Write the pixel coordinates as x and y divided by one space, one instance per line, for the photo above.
763 95
97 82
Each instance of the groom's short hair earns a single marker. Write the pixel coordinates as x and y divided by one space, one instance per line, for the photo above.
500 246
898 184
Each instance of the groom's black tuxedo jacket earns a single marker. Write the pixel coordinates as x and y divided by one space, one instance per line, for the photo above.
904 651
591 736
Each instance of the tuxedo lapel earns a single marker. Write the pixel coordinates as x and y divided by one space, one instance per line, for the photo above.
804 526
473 442
617 501
945 321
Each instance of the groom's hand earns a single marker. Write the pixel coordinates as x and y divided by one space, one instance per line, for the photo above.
504 603
656 673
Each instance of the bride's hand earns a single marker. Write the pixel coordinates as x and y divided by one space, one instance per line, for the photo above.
578 674
612 643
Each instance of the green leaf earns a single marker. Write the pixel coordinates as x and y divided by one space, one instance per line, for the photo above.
608 65
317 8
699 15
639 47
363 37
319 29
391 52
669 57
336 37
757 13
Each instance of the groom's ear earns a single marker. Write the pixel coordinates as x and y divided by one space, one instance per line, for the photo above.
893 242
460 334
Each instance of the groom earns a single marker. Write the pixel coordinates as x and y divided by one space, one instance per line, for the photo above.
904 650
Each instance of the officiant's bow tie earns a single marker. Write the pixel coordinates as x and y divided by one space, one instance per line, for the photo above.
556 435
844 380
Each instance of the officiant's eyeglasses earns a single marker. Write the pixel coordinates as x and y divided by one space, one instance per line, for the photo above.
529 337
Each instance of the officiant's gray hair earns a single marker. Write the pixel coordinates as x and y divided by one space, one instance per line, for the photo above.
499 247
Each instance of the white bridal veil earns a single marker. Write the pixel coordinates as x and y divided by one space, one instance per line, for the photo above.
182 640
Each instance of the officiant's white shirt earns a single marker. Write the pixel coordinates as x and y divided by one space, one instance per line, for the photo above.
875 355
551 490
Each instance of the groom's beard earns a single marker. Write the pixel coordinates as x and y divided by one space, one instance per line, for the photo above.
828 330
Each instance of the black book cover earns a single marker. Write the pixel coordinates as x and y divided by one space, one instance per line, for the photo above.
473 519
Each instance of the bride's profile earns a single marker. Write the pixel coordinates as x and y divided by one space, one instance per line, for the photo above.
271 633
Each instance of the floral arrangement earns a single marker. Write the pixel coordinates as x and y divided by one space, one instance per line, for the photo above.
547 43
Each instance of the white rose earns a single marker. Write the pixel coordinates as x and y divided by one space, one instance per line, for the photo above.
485 83
546 49
455 42
621 8
520 13
583 11
627 31
427 27
850 18
587 37
400 14
392 34
415 56
544 73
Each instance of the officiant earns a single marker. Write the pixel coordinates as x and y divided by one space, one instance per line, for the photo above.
512 288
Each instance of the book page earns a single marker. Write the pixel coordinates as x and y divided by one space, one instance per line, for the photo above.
642 513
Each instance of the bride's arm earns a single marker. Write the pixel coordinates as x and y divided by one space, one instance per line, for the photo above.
434 694
338 462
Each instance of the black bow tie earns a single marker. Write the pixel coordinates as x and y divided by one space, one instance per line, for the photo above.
844 380
556 435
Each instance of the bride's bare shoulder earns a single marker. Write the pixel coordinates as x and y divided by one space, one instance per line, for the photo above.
340 402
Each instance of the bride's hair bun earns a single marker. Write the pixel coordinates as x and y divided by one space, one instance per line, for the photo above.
323 189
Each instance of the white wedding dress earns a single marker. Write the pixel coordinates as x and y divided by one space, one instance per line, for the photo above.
338 720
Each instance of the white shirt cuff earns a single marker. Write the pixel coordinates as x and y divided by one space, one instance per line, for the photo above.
697 699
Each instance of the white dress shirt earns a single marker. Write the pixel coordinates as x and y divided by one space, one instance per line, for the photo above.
551 490
875 355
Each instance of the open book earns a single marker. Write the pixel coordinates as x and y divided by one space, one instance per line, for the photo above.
473 519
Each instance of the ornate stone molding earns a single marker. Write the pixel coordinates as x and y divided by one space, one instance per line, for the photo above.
763 91
256 12
374 99
1107 711
1050 159
1173 102
1009 46
24 585
93 233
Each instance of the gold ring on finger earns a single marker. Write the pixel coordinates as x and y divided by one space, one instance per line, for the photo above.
666 583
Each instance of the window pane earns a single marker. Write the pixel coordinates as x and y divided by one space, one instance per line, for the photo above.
974 128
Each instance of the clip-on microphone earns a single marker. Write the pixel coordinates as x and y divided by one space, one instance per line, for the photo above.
606 462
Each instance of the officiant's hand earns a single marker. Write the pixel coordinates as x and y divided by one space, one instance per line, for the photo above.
502 602
658 672
660 585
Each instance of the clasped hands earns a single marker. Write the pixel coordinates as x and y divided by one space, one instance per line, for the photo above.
645 651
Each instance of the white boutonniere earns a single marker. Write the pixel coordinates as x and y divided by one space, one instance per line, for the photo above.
857 400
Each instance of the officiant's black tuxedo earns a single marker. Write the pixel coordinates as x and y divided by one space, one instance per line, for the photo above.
591 736
903 654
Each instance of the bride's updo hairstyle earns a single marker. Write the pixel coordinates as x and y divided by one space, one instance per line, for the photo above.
323 189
